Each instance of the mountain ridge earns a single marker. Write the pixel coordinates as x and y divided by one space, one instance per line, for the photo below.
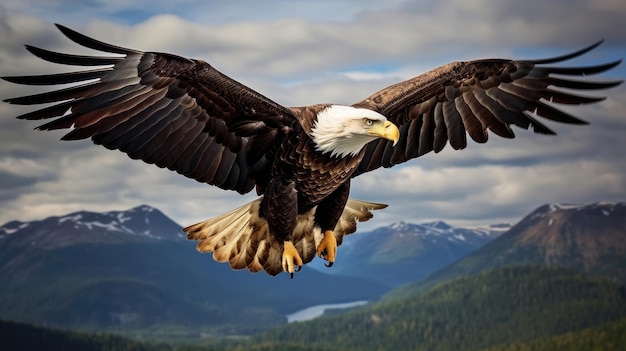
92 227
403 252
590 238
134 269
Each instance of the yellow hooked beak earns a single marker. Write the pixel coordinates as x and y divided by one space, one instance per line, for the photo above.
386 130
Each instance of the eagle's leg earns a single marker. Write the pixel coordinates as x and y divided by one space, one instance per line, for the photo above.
327 249
280 208
292 262
327 215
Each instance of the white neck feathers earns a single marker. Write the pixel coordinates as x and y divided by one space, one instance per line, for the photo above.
338 130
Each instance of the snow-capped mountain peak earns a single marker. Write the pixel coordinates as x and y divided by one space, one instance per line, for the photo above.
563 206
440 225
139 223
438 230
607 208
12 227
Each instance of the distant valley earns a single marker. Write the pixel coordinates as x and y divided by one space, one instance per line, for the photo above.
134 271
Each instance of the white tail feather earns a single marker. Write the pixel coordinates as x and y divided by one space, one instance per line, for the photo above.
242 238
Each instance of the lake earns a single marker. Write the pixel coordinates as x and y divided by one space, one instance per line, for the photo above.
317 311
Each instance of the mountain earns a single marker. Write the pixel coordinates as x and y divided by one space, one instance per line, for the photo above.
590 238
402 253
140 224
505 306
134 269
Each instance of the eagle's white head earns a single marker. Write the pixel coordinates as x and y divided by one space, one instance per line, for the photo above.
344 130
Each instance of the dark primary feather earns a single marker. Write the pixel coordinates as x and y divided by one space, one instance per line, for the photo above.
469 98
167 110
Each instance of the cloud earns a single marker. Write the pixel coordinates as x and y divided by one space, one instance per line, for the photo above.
488 193
301 53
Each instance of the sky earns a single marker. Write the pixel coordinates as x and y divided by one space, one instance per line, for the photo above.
307 52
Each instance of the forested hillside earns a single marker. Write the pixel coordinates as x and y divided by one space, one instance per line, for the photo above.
508 305
510 309
21 337
606 337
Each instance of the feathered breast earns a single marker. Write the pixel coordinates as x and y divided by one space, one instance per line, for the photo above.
316 174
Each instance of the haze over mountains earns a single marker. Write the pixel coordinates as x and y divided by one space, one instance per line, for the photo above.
134 269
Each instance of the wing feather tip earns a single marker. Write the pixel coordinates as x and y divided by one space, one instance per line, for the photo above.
570 55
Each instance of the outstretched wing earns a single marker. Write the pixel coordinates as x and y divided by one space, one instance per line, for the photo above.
171 111
461 98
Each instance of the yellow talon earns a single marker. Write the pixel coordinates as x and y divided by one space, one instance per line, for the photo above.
327 249
291 259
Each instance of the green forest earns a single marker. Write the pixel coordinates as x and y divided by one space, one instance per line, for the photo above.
606 337
509 309
503 306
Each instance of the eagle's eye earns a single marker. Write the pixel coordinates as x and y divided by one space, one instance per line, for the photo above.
368 122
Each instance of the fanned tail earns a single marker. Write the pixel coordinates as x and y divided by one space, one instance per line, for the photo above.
242 238
355 211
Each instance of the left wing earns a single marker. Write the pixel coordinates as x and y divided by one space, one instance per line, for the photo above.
460 98
167 110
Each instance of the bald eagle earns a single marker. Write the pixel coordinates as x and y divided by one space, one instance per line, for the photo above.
184 115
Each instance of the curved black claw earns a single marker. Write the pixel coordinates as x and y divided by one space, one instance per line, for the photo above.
329 264
298 269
